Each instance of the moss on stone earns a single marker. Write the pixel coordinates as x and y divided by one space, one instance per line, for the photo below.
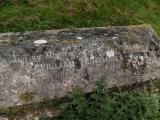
109 41
35 109
27 97
71 42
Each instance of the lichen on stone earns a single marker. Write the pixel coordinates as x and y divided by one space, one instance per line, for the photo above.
71 42
5 42
27 97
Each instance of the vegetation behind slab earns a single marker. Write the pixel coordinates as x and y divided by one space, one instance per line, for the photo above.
26 15
118 105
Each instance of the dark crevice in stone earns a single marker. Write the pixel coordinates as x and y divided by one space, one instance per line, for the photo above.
86 74
77 63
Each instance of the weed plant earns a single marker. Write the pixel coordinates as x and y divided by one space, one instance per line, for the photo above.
102 105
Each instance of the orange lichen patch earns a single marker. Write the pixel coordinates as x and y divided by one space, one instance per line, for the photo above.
134 48
71 42
109 41
5 41
27 96
132 38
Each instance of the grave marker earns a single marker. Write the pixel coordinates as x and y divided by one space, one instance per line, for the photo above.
48 64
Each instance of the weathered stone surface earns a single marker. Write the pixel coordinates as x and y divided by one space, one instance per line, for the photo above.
35 66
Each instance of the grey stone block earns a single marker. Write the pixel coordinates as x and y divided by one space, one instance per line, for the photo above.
40 65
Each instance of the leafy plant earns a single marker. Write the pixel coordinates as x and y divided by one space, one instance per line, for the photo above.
45 117
101 105
75 108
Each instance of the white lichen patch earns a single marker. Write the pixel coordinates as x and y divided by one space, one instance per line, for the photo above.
92 57
31 64
39 42
110 53
79 38
114 38
137 61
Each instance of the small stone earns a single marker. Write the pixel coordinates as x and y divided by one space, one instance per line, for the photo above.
39 42
49 114
36 118
80 38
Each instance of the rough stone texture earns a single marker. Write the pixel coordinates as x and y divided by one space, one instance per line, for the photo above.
40 65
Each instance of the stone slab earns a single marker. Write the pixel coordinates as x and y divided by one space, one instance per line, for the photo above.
40 65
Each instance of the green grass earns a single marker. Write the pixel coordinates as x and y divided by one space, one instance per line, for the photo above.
26 15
